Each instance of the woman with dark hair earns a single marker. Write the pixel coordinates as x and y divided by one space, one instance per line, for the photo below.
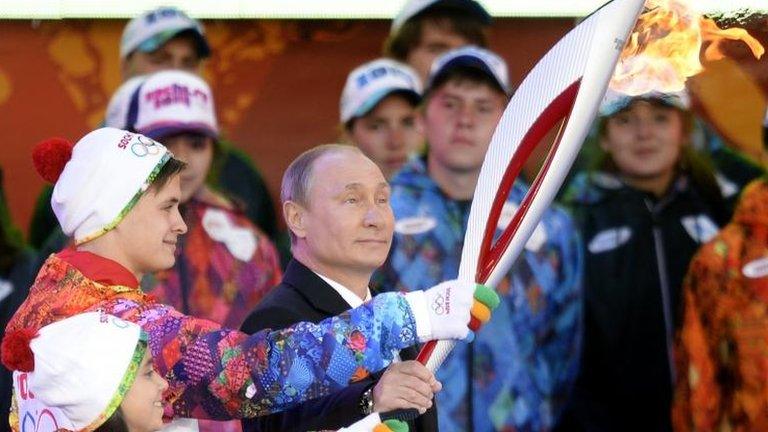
644 209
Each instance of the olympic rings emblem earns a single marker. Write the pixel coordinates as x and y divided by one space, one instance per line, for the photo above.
29 423
439 305
143 148
117 322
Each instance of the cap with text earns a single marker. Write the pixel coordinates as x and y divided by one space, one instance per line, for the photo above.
150 30
370 83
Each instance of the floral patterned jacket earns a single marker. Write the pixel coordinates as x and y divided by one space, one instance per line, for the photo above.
217 373
722 355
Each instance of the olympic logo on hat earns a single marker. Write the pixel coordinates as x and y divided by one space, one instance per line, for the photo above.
117 322
141 148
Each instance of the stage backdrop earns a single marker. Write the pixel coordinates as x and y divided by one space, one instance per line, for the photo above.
276 84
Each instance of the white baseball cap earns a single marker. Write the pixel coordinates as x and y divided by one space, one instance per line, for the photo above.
170 102
371 82
615 101
474 57
150 30
82 367
415 7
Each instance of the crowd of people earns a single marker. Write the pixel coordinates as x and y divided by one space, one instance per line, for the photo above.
156 289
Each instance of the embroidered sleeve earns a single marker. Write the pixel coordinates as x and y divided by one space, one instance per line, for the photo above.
217 373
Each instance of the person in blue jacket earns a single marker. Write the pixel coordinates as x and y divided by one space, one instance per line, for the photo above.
517 373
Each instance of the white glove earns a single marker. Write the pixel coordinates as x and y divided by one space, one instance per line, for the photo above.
443 311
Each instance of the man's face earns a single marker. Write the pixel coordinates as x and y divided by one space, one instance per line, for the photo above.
348 221
388 134
197 152
148 234
435 40
179 52
459 122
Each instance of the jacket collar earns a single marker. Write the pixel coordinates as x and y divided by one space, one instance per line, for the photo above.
313 288
99 269
414 175
595 186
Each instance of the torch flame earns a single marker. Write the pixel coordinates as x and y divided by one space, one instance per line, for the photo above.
664 48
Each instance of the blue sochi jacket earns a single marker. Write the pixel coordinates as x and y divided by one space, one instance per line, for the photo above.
518 372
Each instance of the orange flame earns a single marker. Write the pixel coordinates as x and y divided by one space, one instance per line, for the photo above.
664 48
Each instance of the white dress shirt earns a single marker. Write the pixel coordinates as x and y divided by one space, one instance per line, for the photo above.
351 298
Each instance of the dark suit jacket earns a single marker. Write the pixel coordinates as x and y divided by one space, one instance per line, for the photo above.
304 296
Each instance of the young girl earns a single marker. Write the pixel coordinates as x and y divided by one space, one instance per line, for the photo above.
643 211
93 372
89 372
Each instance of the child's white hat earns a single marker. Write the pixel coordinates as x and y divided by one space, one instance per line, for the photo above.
74 373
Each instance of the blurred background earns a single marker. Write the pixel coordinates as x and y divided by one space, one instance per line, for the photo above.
277 72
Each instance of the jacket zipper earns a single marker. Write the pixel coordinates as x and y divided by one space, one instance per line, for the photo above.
661 263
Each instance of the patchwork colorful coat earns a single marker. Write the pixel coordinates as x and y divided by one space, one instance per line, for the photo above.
518 372
217 373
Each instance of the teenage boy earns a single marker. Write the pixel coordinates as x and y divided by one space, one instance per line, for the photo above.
518 371
425 29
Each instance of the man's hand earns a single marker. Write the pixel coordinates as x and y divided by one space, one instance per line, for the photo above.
405 385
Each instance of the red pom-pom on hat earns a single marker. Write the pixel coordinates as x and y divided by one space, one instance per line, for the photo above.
15 350
49 157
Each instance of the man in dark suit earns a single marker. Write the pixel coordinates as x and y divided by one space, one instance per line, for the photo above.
336 206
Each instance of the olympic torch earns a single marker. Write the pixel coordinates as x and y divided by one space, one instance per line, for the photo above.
568 84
